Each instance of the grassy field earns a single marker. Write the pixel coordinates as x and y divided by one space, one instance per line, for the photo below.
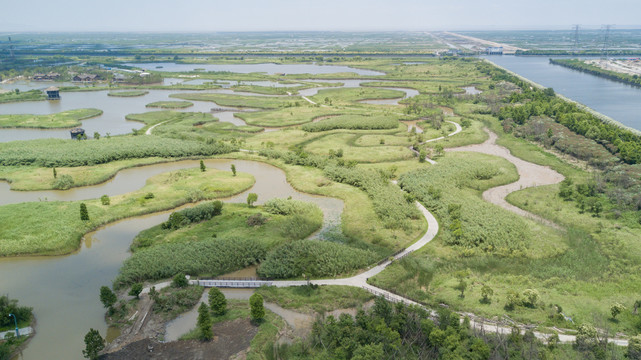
131 93
288 116
345 141
350 95
321 299
30 228
65 119
233 223
12 96
261 102
170 104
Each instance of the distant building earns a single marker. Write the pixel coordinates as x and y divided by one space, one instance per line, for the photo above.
44 77
119 78
86 77
77 133
53 93
494 50
38 77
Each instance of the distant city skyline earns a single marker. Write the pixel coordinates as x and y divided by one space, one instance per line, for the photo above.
305 15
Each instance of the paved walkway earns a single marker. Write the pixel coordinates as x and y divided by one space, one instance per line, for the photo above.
148 132
24 331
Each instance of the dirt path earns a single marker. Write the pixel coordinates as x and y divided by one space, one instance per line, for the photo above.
529 175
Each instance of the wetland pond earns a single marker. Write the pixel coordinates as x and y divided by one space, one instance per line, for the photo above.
63 290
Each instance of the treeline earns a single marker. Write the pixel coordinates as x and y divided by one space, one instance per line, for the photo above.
395 331
576 53
60 153
621 142
581 65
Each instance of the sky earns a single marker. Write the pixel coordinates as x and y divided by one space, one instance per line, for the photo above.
317 15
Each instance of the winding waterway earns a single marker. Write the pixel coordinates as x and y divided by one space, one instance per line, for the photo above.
617 100
63 290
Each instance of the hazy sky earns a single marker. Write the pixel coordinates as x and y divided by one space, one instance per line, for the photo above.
357 15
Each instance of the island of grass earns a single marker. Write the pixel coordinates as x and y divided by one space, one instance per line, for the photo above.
131 93
241 101
15 96
29 229
65 119
170 104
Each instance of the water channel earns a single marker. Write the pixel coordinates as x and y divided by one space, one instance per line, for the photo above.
619 101
63 290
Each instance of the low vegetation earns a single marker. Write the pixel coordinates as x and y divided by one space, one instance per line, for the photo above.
170 104
131 93
353 122
58 153
31 230
65 119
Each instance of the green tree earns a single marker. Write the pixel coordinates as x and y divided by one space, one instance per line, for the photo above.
96 135
202 166
422 155
257 309
55 173
94 343
107 297
136 289
461 286
486 294
616 309
530 298
204 323
369 352
217 301
251 199
179 281
105 200
84 214
233 169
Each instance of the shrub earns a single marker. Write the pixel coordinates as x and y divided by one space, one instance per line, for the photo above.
84 214
194 214
105 200
314 258
149 196
257 310
107 297
616 309
256 219
64 182
204 323
179 281
217 301
136 289
251 199
530 298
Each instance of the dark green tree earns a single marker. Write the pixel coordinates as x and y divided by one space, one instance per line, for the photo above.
136 289
179 281
107 297
257 309
84 214
55 173
233 169
202 166
105 200
204 323
94 343
217 301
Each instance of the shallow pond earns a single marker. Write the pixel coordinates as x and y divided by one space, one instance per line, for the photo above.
63 290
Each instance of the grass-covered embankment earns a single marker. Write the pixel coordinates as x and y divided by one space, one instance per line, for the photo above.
15 96
316 299
241 101
30 227
131 93
170 104
58 152
236 238
65 119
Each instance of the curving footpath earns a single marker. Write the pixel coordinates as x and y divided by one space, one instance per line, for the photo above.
456 131
529 175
